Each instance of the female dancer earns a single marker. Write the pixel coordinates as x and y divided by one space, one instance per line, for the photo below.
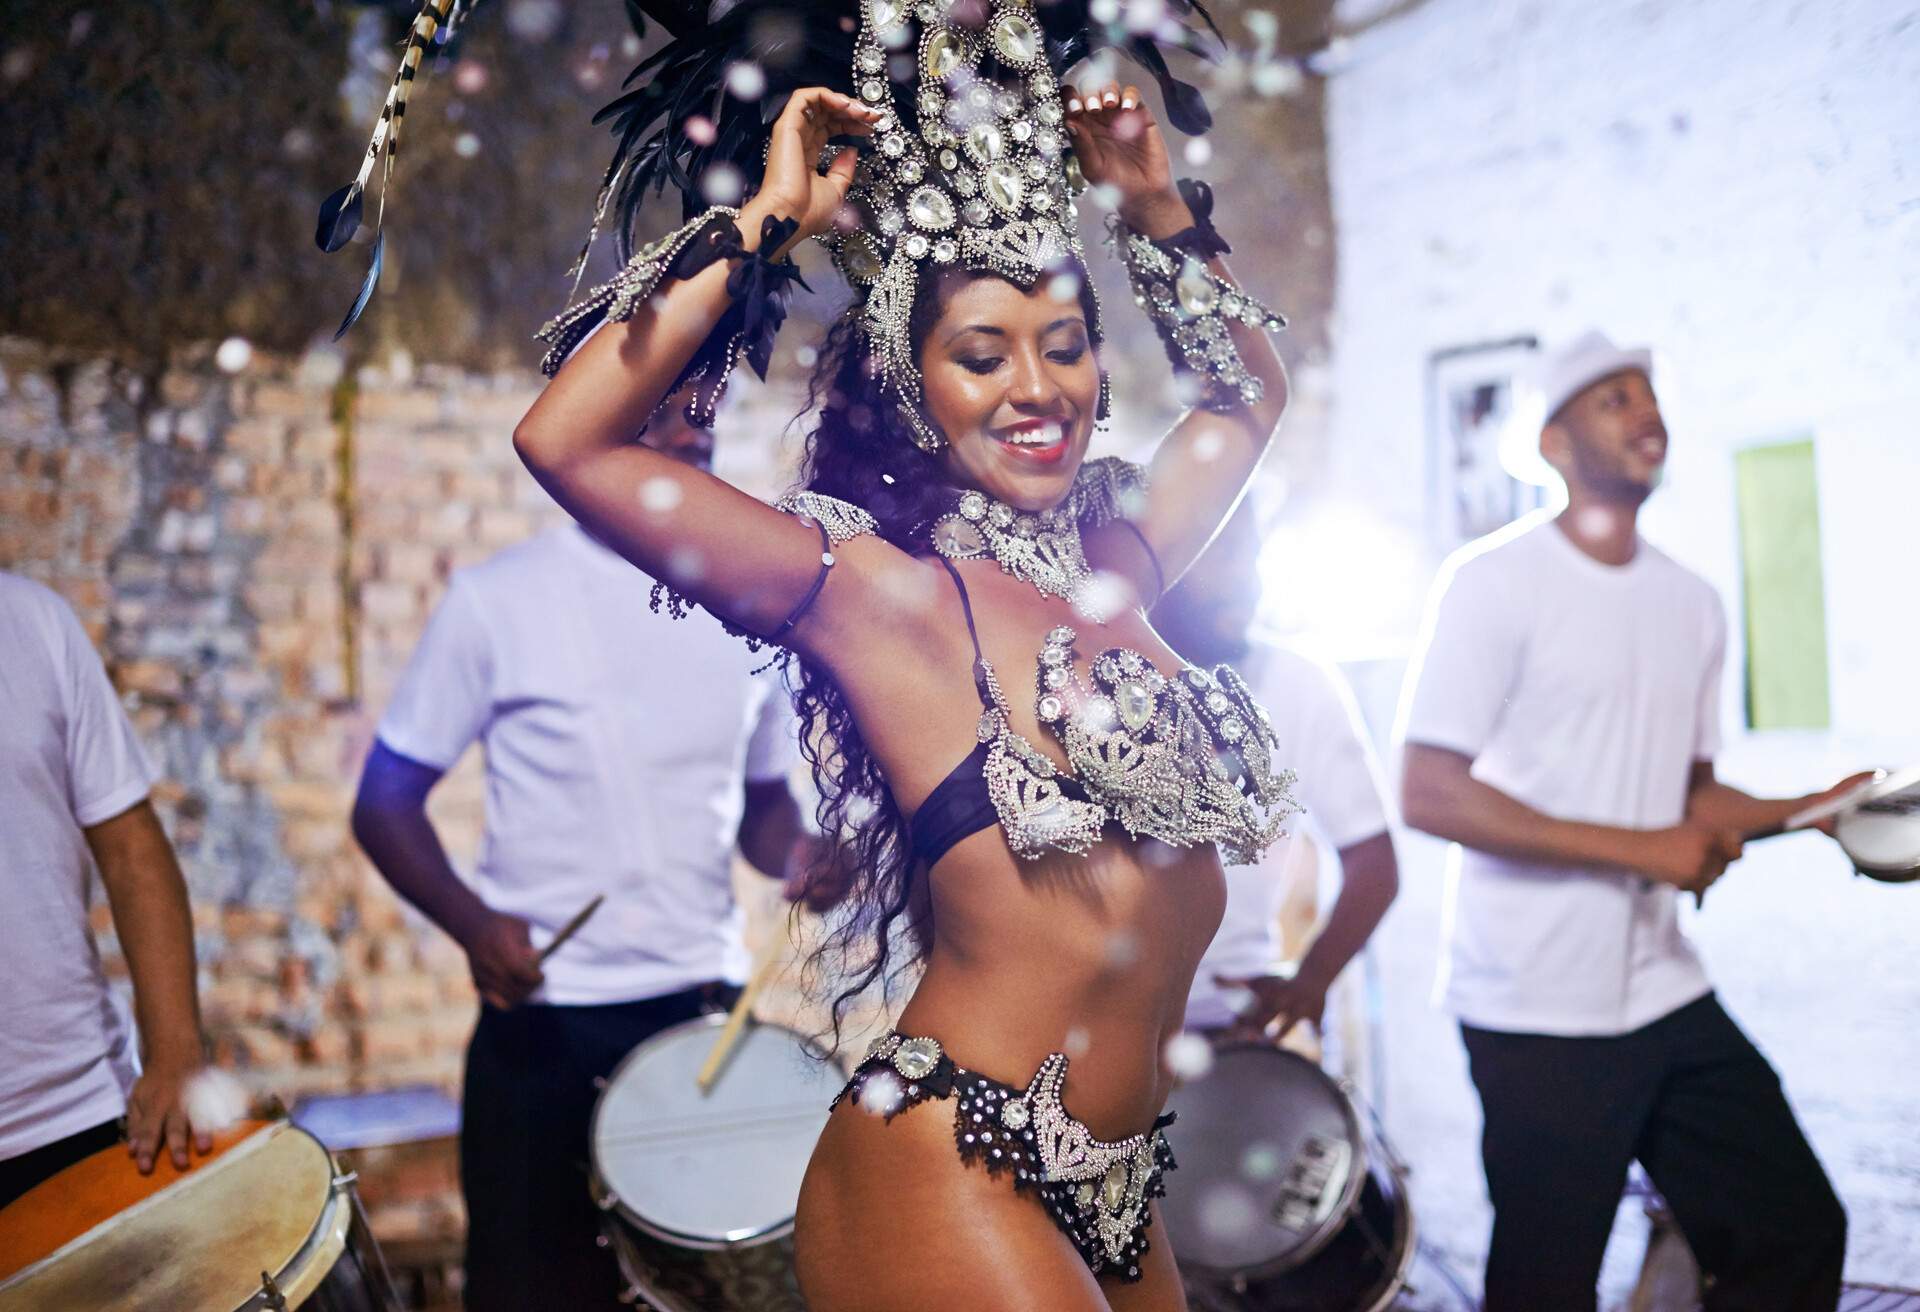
1044 787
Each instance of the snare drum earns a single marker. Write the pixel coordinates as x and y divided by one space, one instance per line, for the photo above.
266 1222
1286 1200
698 1189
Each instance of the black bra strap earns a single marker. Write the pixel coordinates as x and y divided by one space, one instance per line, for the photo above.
979 661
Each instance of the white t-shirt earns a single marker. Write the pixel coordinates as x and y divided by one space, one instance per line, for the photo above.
1324 741
68 760
1586 691
616 740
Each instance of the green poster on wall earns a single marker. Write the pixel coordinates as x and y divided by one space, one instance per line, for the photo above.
1783 587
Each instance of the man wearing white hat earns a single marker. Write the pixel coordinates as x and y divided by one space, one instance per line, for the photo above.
1560 723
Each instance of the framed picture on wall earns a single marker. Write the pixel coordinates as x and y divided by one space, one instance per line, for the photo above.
1470 400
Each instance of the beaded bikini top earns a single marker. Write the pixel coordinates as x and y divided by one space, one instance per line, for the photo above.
1183 758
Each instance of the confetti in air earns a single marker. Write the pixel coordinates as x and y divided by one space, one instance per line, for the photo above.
1188 1056
660 496
1227 1212
746 80
686 565
534 20
214 1101
722 185
233 355
881 1093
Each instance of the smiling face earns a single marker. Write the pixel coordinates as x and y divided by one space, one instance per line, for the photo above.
1609 440
1011 381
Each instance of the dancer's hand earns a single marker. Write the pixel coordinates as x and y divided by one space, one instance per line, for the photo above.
793 186
1119 146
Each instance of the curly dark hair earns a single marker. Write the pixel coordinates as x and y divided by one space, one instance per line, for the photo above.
860 451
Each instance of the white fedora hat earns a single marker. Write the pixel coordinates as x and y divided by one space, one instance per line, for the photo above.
1564 374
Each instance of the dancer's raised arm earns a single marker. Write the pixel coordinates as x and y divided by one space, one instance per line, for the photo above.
712 542
1204 464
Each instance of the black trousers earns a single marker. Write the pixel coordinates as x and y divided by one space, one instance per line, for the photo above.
19 1174
1695 1103
526 1110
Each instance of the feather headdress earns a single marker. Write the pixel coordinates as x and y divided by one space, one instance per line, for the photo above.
969 165
340 213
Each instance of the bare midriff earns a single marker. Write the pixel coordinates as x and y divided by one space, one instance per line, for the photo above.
1090 956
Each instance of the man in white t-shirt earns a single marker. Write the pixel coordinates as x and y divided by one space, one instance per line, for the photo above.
626 756
1560 724
1242 984
73 798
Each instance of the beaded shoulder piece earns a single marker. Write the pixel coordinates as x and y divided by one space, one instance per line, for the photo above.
839 520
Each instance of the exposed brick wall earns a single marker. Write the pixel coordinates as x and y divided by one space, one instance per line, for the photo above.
255 619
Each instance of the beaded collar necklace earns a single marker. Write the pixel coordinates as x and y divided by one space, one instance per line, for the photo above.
1041 547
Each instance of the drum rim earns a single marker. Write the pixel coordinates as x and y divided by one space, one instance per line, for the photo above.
1357 1176
328 1232
327 1238
608 1200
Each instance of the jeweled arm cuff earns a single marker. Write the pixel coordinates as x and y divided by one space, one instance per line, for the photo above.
1194 310
837 521
758 288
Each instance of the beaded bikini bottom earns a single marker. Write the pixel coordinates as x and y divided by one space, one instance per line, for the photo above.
1097 1193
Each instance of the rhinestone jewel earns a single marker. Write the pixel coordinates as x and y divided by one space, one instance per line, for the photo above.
954 536
973 505
930 208
1136 705
871 60
1196 290
946 251
1051 709
944 53
859 258
916 1057
985 143
1004 187
887 13
977 212
1014 1114
1015 39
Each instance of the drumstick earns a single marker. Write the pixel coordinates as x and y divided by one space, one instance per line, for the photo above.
763 970
569 929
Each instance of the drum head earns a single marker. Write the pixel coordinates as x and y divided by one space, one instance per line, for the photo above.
715 1168
266 1204
1882 837
1271 1158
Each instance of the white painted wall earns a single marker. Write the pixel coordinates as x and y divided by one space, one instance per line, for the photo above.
1736 183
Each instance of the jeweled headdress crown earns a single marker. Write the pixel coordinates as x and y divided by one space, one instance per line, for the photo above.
970 167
